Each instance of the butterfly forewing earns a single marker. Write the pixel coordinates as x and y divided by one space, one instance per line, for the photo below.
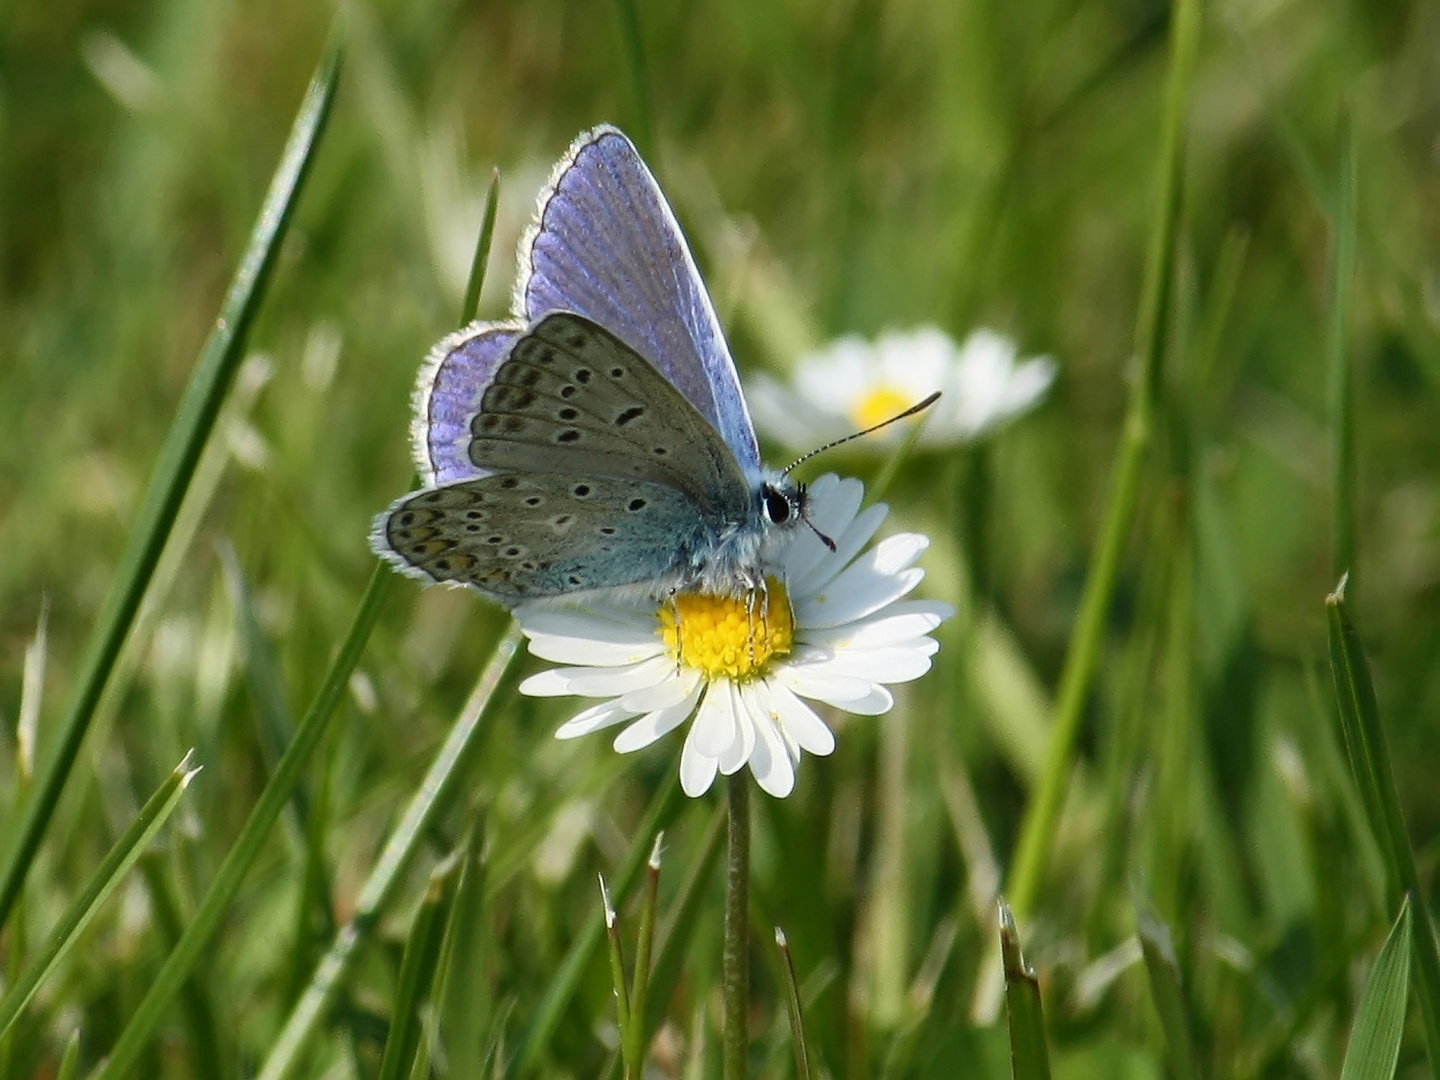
572 399
519 537
608 247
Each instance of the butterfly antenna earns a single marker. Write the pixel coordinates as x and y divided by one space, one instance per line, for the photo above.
921 407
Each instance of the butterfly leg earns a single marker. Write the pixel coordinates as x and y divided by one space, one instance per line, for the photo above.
757 609
673 599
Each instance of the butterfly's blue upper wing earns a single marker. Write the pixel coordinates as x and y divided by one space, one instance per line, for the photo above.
606 245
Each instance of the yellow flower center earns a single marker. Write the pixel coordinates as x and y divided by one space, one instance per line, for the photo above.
729 637
879 405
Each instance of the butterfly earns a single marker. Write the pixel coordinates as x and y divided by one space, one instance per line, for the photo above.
597 439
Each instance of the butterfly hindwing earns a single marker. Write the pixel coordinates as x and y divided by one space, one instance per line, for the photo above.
606 245
521 537
573 399
452 382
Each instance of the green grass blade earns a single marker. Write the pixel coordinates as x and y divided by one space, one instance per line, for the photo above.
252 839
551 1009
1342 403
643 129
1167 989
98 889
1042 815
616 955
636 1044
209 1054
70 1059
1351 686
481 259
32 690
274 724
676 936
1029 1052
793 1009
430 798
1380 1021
1370 758
189 431
464 1007
32 684
417 972
1305 164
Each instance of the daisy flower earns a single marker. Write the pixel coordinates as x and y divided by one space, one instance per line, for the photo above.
831 626
853 384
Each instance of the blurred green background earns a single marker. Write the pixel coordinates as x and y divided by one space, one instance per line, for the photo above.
847 165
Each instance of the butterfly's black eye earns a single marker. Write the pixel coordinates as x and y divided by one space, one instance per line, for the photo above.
777 506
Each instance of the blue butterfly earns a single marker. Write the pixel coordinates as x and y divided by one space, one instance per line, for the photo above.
598 439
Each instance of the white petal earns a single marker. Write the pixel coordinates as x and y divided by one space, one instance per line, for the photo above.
715 729
552 682
900 623
838 376
739 752
831 505
834 502
831 688
800 722
899 552
665 693
887 664
848 545
878 701
989 388
595 718
858 592
611 682
654 725
578 650
600 621
770 761
811 564
826 485
697 772
1028 384
918 360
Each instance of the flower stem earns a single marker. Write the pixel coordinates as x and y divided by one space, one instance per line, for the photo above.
735 963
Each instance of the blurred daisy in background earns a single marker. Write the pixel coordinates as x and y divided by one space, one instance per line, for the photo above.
852 384
831 627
